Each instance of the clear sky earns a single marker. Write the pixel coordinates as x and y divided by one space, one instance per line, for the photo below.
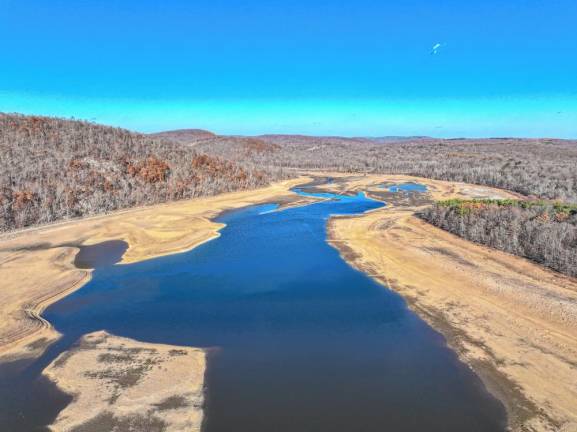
362 67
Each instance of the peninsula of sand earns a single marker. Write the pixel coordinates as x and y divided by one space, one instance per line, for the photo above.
513 321
121 384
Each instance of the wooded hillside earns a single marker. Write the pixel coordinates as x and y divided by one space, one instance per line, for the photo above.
53 169
541 231
543 168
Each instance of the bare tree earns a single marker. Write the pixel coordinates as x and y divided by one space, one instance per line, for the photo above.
52 169
541 231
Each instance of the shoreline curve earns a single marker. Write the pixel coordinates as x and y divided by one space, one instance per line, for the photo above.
37 264
511 320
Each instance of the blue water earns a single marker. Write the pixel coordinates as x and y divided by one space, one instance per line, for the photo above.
299 340
408 187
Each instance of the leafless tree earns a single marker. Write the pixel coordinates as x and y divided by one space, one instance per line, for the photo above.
52 169
538 230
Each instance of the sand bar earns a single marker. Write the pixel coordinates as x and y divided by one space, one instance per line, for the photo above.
121 384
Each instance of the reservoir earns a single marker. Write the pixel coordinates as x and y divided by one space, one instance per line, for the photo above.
297 339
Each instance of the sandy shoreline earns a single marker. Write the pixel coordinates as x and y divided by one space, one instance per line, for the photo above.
119 383
513 321
37 265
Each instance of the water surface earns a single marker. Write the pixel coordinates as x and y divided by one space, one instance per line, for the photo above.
299 340
100 254
407 187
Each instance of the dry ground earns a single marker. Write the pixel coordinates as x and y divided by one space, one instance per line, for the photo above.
123 385
513 321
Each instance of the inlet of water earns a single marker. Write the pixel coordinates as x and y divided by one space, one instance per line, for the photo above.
299 340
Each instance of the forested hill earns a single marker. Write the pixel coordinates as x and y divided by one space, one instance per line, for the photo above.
543 168
53 169
541 231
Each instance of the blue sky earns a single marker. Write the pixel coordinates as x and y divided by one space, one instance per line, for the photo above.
317 67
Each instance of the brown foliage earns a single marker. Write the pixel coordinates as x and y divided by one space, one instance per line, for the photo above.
22 199
259 146
52 169
150 170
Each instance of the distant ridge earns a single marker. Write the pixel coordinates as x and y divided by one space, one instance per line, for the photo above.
393 138
541 167
185 135
53 169
298 138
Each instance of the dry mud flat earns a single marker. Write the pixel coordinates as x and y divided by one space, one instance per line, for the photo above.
37 265
119 384
513 321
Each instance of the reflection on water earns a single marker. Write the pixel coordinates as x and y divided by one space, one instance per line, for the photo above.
305 342
100 254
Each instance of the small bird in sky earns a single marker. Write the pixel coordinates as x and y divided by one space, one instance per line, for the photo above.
436 48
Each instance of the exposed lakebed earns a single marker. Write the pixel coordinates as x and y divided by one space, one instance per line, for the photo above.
299 340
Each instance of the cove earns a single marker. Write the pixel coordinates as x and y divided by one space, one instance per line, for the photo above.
298 339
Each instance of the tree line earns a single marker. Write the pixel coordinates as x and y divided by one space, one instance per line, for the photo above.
53 169
542 168
538 168
542 231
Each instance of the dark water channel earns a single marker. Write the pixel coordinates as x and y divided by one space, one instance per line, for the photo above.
100 255
299 340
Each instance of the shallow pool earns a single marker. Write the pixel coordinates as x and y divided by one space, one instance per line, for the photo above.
407 187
